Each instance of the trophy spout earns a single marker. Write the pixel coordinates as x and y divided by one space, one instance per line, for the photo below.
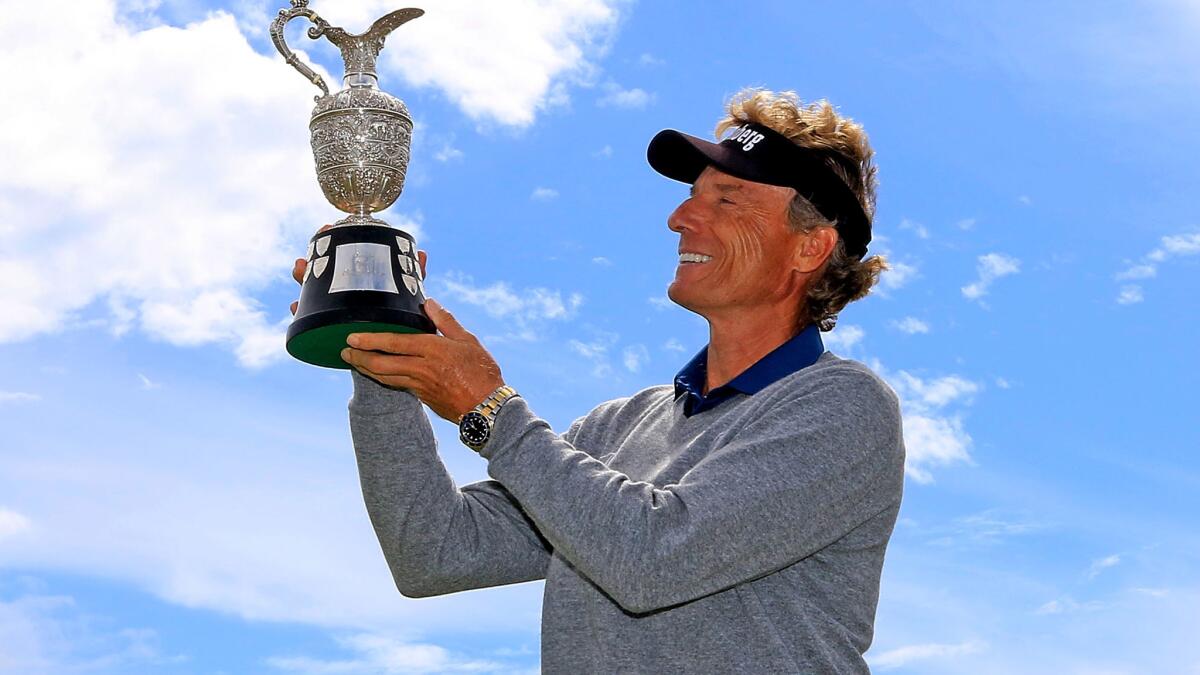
359 52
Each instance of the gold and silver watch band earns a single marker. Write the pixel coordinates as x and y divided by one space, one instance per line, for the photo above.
491 404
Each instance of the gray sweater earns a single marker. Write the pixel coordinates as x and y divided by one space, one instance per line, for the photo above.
745 539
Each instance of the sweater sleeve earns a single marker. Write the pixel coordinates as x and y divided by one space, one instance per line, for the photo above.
435 537
802 475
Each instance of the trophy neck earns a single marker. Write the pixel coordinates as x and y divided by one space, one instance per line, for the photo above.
360 81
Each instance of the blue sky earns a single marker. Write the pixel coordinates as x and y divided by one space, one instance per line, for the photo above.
178 496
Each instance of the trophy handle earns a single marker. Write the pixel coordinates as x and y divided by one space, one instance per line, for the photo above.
299 8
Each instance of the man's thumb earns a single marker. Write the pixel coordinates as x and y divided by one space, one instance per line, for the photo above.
444 320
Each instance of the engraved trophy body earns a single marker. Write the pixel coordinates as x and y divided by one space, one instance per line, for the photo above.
362 274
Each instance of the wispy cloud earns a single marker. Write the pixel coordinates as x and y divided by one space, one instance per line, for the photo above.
526 307
1102 564
12 523
932 436
596 351
898 275
630 99
52 634
932 651
377 654
911 325
916 228
18 397
147 383
992 266
634 357
543 194
1169 247
1068 605
844 338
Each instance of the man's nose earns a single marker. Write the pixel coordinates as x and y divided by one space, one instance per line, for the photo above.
680 219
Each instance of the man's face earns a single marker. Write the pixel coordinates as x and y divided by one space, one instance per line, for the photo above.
743 226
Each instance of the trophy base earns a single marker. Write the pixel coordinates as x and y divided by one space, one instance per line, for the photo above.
319 339
360 279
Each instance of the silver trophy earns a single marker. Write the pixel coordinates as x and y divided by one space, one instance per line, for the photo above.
363 274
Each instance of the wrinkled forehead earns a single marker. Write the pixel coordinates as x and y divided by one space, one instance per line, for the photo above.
715 179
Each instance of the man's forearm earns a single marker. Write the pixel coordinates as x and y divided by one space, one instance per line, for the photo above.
436 538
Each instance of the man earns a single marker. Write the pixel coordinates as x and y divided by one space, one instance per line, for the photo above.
734 522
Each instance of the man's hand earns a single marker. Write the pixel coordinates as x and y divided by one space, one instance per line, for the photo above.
302 264
451 373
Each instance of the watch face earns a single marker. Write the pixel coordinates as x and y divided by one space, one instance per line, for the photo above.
474 429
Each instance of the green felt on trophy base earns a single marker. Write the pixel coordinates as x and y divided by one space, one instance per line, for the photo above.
323 346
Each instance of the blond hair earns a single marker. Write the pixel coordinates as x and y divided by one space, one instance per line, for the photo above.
818 126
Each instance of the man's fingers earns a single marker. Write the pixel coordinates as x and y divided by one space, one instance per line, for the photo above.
422 258
298 270
295 304
386 365
445 321
403 344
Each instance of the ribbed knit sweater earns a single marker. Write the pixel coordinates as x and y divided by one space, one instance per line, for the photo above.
748 538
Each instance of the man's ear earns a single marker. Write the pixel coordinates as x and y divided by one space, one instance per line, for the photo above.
815 247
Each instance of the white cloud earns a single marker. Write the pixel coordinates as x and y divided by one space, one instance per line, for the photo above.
165 198
932 438
526 308
911 325
634 357
499 62
604 153
602 261
660 302
47 634
1182 244
907 655
1025 200
1138 272
378 654
920 230
162 198
18 397
630 99
447 152
1130 295
1170 246
966 224
596 351
543 194
648 59
898 275
12 523
147 383
1066 605
673 345
992 266
936 393
1102 564
843 338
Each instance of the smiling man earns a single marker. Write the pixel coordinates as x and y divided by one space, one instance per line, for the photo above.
734 521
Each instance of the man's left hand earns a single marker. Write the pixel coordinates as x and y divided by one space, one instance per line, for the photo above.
451 373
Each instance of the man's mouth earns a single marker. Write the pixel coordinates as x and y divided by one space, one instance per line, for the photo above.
694 258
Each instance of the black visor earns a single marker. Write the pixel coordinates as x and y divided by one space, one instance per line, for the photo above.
757 153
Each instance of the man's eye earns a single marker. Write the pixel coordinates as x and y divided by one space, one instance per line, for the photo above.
727 200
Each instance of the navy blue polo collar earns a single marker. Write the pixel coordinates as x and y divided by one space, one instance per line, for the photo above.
801 351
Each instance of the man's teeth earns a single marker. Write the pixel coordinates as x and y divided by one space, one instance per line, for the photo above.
694 257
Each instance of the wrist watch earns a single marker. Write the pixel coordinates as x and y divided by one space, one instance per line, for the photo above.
475 427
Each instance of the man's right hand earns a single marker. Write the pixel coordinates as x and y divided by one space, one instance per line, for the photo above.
302 264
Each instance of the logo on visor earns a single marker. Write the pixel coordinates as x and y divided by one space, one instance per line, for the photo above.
746 136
